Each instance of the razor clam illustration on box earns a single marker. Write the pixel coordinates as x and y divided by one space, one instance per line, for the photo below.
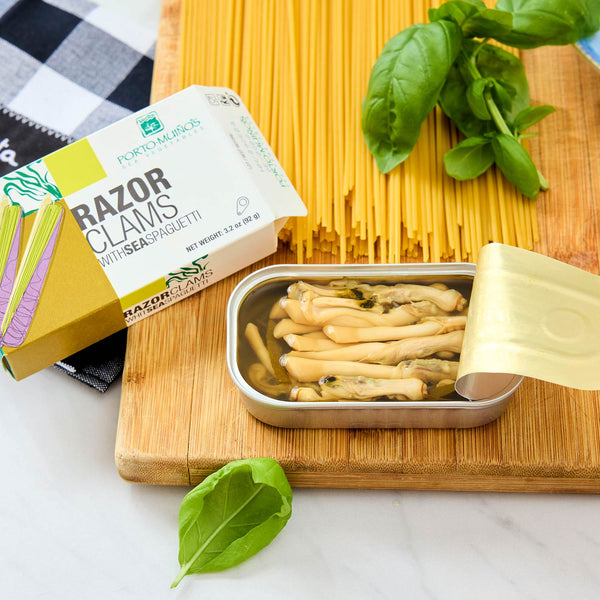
27 190
29 186
10 238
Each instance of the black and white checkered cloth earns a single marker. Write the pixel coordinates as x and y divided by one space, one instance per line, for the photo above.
71 65
67 69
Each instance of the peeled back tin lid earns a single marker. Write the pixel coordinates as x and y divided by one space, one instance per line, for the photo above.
530 316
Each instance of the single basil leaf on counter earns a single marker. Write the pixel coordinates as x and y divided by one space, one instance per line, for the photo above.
492 63
231 515
549 22
469 159
516 164
532 115
474 18
476 99
404 86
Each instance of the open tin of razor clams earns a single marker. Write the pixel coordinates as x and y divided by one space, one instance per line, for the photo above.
341 346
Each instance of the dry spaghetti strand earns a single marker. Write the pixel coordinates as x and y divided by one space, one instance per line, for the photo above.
302 68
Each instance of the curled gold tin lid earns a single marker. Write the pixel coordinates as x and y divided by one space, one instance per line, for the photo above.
532 316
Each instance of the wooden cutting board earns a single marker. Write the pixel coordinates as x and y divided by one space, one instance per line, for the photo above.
181 417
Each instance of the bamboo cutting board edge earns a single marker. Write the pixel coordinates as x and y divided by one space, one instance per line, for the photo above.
499 457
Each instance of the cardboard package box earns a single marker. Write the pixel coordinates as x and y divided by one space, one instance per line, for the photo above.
144 213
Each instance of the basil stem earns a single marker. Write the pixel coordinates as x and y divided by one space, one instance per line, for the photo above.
496 114
471 65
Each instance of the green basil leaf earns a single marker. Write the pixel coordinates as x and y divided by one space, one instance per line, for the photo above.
507 71
231 515
404 86
516 164
469 159
493 63
502 96
452 102
457 11
474 18
549 22
488 23
476 98
532 115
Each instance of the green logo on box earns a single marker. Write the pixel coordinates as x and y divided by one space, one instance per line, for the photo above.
149 124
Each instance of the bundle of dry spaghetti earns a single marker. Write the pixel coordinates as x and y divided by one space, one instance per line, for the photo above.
302 68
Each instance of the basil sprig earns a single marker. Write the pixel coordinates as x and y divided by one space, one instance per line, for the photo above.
480 87
231 515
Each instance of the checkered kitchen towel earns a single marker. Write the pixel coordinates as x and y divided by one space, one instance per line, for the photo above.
71 65
67 69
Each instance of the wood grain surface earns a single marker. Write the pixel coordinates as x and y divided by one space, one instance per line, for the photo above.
181 417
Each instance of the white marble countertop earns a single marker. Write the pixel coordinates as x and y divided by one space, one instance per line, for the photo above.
70 528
